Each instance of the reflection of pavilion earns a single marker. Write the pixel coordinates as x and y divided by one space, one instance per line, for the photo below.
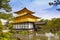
25 20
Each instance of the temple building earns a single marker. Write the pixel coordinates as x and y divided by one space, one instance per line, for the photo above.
25 20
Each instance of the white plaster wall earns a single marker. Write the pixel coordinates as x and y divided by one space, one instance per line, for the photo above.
30 25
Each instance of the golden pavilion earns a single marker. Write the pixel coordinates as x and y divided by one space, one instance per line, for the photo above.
25 20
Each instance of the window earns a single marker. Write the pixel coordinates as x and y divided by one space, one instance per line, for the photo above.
23 26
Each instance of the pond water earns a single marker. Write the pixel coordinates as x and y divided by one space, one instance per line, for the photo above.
37 36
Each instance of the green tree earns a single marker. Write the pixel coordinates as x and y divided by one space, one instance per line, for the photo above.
1 26
7 17
56 24
4 4
47 26
52 25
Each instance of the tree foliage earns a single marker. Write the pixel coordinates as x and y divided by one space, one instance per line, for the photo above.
1 26
52 25
4 4
6 16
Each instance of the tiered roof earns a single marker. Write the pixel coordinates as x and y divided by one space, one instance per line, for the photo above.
25 15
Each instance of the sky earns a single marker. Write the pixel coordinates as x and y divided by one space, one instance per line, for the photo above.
40 7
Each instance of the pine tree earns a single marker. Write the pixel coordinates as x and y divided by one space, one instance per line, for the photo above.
4 4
